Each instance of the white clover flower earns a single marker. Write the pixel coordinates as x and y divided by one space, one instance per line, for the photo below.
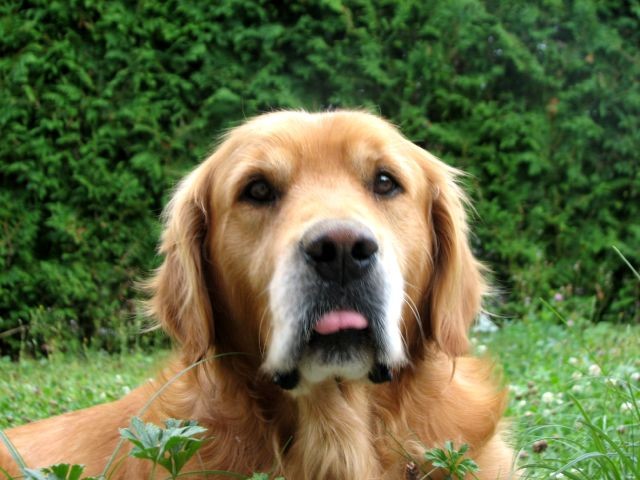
481 349
576 375
595 370
577 388
126 390
612 381
547 397
635 376
522 403
626 407
573 361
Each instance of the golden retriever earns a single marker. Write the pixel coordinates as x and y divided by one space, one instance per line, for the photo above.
327 257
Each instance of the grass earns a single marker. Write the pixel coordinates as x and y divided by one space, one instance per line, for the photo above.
575 390
575 393
35 389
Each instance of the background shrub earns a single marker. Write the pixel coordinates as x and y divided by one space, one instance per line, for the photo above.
106 104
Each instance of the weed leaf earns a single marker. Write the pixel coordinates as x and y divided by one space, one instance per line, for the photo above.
62 471
170 447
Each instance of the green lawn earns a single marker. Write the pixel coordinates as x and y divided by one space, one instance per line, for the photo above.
575 391
575 395
34 389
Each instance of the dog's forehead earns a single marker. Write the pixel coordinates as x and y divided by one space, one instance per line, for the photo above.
302 124
295 141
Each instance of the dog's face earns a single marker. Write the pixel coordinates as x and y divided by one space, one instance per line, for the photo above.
325 245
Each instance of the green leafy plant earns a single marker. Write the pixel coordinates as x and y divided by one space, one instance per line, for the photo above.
263 476
452 461
61 471
170 447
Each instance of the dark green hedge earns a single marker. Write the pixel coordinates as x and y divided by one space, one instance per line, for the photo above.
104 104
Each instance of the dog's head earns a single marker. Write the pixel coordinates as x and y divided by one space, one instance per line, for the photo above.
325 245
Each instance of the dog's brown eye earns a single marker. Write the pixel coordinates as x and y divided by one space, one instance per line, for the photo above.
385 185
259 191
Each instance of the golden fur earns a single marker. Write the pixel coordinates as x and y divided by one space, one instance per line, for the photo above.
211 295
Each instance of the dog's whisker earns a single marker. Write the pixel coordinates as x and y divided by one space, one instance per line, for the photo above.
261 346
416 314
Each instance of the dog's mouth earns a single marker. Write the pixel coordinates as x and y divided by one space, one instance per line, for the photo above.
339 321
342 344
340 336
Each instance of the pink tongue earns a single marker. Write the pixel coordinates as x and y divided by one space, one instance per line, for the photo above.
340 320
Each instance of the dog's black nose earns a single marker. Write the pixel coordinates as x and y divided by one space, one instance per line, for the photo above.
339 250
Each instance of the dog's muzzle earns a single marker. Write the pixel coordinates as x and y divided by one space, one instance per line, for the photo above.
342 302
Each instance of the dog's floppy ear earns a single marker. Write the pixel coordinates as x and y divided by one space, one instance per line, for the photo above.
179 294
457 286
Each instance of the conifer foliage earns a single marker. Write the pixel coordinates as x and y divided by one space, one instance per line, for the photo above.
104 105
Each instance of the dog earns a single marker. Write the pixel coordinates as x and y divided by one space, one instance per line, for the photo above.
318 267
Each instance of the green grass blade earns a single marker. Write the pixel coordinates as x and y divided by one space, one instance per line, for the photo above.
6 474
12 450
624 259
601 439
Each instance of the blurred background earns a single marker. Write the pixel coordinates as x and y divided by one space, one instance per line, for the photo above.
104 105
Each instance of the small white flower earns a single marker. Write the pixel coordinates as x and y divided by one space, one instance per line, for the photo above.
547 397
635 376
522 403
626 407
612 381
559 475
576 375
577 388
595 370
118 378
481 349
125 390
573 361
